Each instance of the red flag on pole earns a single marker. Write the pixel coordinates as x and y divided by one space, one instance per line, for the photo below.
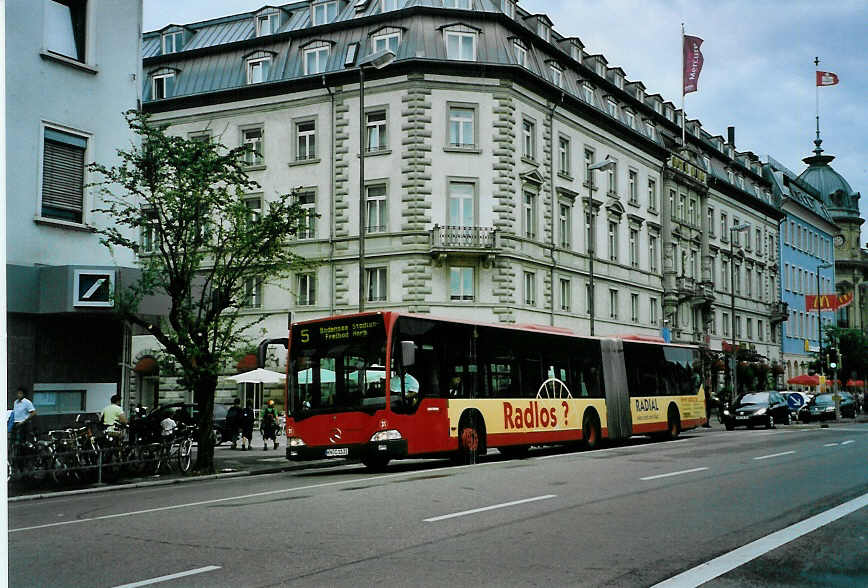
692 63
826 78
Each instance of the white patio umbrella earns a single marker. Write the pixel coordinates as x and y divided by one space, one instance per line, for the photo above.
326 376
258 376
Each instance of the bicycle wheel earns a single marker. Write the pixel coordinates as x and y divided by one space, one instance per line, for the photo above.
185 454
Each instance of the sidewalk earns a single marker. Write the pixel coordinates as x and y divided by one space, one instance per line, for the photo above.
228 463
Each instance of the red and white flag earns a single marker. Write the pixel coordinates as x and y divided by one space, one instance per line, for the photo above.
826 78
692 63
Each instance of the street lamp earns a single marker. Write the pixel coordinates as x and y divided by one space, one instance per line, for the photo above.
822 266
606 164
733 373
376 60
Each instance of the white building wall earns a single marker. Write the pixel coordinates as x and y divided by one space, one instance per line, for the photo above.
88 100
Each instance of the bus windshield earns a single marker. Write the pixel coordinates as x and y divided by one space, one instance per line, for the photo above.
337 366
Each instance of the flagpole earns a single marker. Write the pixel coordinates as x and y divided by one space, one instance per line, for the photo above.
683 114
817 92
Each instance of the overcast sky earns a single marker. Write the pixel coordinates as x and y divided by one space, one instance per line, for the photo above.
758 74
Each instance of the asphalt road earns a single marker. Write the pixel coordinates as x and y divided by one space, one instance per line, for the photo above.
630 515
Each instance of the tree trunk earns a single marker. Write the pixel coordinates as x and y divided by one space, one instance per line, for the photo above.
205 387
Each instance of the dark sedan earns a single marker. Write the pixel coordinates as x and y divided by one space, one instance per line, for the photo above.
822 407
757 408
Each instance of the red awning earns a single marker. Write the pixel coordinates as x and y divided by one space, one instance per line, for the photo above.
146 366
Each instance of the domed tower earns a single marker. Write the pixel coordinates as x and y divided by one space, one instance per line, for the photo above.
851 261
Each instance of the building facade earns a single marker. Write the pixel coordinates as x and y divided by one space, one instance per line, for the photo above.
65 343
851 259
807 266
509 174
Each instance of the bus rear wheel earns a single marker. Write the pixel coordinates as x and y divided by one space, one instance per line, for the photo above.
673 423
591 431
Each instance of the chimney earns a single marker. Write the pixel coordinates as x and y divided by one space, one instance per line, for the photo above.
730 133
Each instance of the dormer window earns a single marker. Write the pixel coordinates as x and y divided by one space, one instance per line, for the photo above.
388 5
352 54
588 92
316 58
576 51
508 8
173 42
162 84
258 67
460 4
649 130
707 161
668 113
388 38
612 107
557 75
520 53
630 119
601 70
323 12
267 23
658 108
460 45
544 30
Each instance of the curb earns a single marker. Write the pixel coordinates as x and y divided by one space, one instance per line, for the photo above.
180 480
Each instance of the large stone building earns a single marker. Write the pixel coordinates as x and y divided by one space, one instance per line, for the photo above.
65 343
509 174
851 259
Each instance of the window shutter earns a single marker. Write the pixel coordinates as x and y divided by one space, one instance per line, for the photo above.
62 180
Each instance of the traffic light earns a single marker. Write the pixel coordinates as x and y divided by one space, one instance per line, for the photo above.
833 358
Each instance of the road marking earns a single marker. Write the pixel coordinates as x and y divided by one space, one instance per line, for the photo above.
774 455
658 476
830 445
487 508
170 577
729 561
847 442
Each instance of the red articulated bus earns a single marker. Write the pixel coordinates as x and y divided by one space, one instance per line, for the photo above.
387 385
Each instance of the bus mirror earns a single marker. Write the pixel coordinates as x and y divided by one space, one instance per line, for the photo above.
408 353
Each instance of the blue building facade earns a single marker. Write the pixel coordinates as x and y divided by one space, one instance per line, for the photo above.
807 255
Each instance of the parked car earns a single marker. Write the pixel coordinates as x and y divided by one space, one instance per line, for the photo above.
798 403
187 414
822 407
757 408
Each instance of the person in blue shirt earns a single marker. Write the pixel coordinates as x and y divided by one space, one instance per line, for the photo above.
23 411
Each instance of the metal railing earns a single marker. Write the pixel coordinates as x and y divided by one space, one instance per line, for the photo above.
457 237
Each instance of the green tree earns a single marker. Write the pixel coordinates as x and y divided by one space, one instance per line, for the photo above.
181 206
852 347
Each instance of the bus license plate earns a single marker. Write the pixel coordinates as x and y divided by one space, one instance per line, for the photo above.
337 452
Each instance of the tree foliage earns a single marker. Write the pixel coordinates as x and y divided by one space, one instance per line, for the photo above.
182 206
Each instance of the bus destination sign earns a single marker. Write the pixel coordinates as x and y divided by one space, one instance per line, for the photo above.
336 332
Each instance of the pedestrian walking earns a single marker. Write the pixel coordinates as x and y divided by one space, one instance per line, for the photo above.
269 425
246 422
233 421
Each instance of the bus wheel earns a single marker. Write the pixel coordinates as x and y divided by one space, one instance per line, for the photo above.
376 463
471 443
674 423
591 431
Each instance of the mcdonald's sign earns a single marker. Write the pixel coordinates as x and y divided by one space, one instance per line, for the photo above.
826 302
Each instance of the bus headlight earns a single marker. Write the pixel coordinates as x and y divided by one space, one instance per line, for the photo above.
296 442
390 435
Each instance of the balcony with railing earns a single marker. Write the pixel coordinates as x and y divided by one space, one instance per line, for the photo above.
464 241
685 286
779 312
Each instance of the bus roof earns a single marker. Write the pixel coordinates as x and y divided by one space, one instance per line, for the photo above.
391 316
